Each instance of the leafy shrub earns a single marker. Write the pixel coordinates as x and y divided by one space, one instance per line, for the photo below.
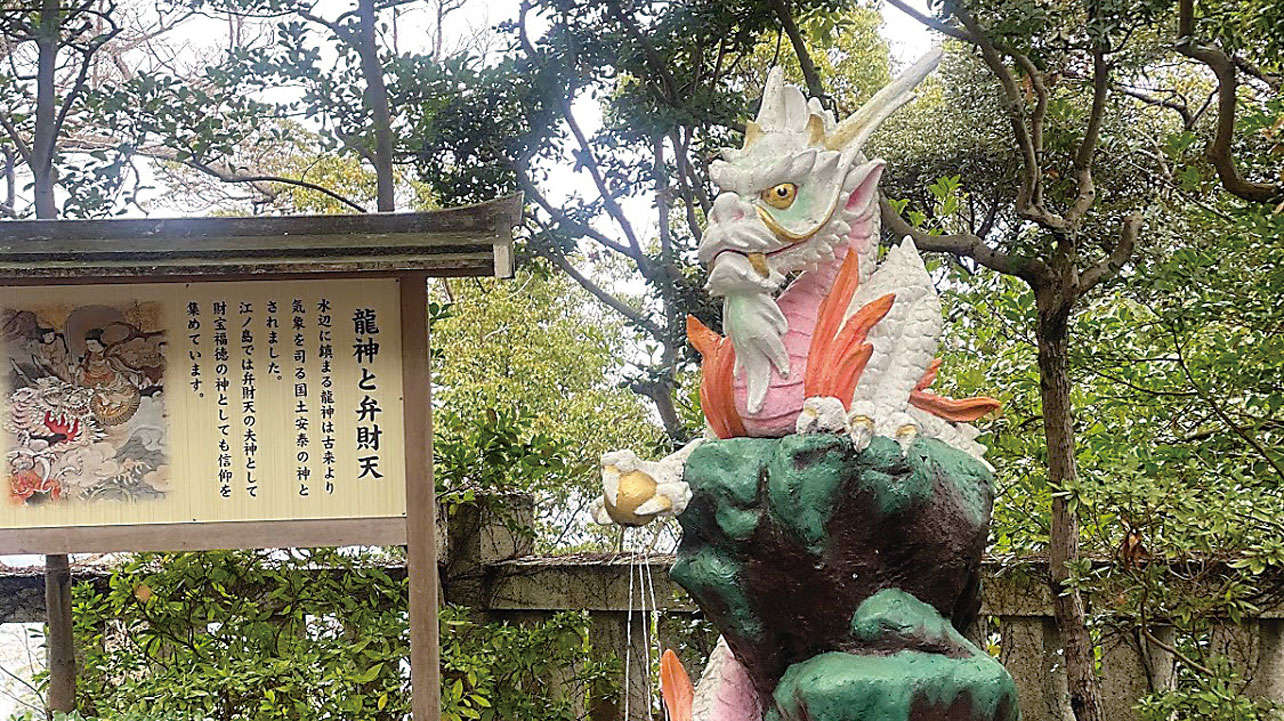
307 635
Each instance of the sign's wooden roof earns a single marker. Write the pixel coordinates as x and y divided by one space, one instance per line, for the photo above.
469 240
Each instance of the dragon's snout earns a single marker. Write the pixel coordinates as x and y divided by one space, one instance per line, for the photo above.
736 247
728 207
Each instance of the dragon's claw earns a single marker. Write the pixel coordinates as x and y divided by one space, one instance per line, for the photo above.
904 429
860 424
635 492
822 414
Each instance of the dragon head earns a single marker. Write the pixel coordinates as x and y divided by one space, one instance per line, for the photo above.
798 190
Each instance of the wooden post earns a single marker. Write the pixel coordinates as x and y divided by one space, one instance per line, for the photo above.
60 641
421 544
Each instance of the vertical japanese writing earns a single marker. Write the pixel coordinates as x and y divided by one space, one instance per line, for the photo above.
302 440
222 359
273 326
249 388
194 350
365 348
325 354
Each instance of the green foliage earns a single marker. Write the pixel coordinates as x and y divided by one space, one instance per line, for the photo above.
1180 431
846 46
538 671
265 635
527 388
305 635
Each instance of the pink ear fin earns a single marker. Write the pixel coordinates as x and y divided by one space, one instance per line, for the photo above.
867 187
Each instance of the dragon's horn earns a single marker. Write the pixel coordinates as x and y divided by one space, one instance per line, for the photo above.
856 129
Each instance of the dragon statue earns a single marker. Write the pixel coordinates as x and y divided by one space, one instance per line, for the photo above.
834 513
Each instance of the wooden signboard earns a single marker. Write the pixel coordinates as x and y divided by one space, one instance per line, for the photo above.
191 384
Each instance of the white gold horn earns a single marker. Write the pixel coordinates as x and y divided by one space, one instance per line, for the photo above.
852 133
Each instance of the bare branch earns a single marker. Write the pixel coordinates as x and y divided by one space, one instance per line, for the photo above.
941 27
232 175
633 315
1031 191
1039 115
1269 80
1091 135
1187 117
685 183
1029 201
24 150
563 219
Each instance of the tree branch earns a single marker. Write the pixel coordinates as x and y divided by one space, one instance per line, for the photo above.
1187 117
8 207
1211 400
815 87
634 316
231 175
1029 201
1031 270
24 150
1219 153
586 156
1269 80
941 27
653 59
1091 135
1110 266
563 219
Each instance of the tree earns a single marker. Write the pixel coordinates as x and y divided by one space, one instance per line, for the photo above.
307 635
1054 244
80 32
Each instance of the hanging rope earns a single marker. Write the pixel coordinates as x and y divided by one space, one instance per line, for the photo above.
628 637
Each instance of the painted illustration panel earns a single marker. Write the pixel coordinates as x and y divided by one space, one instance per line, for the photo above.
84 417
172 403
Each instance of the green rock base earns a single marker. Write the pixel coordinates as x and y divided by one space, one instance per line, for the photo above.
841 579
958 683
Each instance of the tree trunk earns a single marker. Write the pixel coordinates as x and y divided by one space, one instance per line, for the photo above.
61 646
60 642
46 133
376 93
10 184
1063 551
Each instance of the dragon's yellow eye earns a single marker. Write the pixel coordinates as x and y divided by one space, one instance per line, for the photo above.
780 196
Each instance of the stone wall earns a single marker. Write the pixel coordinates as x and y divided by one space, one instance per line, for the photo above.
1016 621
490 569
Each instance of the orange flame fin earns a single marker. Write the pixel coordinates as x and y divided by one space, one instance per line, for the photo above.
962 410
717 391
675 686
